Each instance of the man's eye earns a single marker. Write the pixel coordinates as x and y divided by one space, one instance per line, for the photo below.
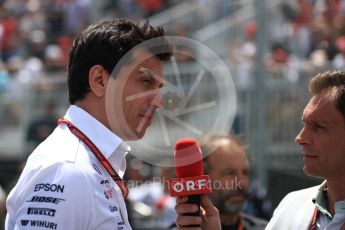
229 173
146 80
319 127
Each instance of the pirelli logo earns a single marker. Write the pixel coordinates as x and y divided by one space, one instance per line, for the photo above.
41 211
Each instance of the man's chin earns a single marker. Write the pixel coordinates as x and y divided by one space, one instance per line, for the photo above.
230 206
135 135
131 136
237 199
233 207
311 172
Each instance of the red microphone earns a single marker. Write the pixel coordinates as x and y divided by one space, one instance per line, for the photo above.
190 180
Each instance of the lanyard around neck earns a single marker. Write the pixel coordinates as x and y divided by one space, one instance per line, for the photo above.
240 227
314 219
97 154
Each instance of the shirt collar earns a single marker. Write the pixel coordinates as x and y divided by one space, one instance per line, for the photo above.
112 147
339 206
321 200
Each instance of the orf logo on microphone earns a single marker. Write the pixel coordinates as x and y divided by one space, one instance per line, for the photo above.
190 185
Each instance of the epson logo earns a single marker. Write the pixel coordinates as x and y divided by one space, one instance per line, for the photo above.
41 211
46 199
49 187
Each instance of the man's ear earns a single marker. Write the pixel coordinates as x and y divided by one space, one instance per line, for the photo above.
98 78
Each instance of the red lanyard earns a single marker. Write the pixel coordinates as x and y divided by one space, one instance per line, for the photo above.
97 154
314 219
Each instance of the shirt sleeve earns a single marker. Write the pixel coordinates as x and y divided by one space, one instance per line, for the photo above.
56 197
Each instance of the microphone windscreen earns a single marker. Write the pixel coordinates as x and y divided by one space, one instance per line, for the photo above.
188 158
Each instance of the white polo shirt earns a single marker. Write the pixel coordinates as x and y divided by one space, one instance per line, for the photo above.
63 185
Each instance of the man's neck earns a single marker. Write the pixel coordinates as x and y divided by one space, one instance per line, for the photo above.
94 109
335 192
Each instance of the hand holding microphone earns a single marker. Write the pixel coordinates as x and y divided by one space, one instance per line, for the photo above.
189 186
209 219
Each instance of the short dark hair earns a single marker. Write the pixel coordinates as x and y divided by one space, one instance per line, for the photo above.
105 43
334 79
211 142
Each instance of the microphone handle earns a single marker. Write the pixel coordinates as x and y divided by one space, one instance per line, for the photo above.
194 199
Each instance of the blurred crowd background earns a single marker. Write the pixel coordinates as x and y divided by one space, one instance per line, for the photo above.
272 49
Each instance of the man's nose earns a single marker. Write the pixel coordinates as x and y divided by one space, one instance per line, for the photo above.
303 137
157 100
243 180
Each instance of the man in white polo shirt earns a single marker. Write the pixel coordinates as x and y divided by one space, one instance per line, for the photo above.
323 150
73 180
